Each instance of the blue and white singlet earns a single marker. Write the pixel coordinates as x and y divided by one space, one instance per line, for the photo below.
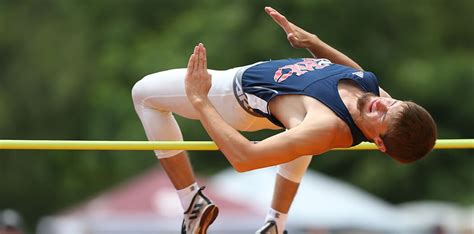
255 85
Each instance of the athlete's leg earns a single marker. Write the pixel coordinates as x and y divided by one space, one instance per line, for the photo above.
286 185
159 95
153 97
150 97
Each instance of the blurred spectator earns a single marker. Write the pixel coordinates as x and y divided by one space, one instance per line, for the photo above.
10 222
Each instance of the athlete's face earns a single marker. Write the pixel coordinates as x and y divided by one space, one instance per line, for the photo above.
377 112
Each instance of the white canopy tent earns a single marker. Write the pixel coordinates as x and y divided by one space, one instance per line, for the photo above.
148 204
321 203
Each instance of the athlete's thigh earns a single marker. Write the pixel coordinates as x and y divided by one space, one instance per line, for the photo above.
165 91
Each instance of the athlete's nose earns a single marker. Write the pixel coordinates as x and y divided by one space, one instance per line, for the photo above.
380 106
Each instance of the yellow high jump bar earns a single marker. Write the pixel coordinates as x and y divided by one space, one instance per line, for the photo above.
173 145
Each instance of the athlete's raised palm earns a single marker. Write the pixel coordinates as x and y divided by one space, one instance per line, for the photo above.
198 80
298 37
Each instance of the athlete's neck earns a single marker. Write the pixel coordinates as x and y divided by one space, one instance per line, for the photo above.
349 94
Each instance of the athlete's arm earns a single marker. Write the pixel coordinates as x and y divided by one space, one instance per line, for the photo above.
240 152
300 38
244 155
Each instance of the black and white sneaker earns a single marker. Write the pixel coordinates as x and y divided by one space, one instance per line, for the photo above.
200 215
270 227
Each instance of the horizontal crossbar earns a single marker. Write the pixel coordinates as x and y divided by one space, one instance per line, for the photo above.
173 145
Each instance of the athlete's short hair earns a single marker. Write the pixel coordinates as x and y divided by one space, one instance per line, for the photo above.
411 135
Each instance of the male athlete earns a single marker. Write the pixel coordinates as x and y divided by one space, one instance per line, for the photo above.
324 102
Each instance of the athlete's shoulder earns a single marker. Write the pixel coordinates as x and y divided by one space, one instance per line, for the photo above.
325 123
320 135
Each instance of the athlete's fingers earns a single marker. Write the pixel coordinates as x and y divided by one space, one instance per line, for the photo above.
204 58
269 10
279 19
199 57
276 19
199 65
285 24
191 64
196 59
273 13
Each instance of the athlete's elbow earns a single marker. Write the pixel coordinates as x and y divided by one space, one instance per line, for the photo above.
241 163
244 167
237 157
241 169
249 165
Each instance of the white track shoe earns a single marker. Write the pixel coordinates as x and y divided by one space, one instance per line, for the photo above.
200 215
270 227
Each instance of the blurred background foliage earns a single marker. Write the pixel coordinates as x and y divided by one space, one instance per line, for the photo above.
67 68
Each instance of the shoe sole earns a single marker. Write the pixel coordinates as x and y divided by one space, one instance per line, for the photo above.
208 217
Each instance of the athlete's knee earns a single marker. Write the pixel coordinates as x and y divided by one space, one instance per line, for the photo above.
138 91
155 85
295 169
146 87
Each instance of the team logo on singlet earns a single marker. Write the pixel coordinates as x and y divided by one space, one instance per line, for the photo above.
300 68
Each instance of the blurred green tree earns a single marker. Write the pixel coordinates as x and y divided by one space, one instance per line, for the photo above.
67 68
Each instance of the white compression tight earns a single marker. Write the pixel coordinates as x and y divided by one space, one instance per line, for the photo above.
294 170
158 95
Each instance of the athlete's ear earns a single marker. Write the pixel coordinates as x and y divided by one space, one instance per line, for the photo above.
379 143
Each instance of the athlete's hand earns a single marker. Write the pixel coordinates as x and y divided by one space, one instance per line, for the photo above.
297 37
198 80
